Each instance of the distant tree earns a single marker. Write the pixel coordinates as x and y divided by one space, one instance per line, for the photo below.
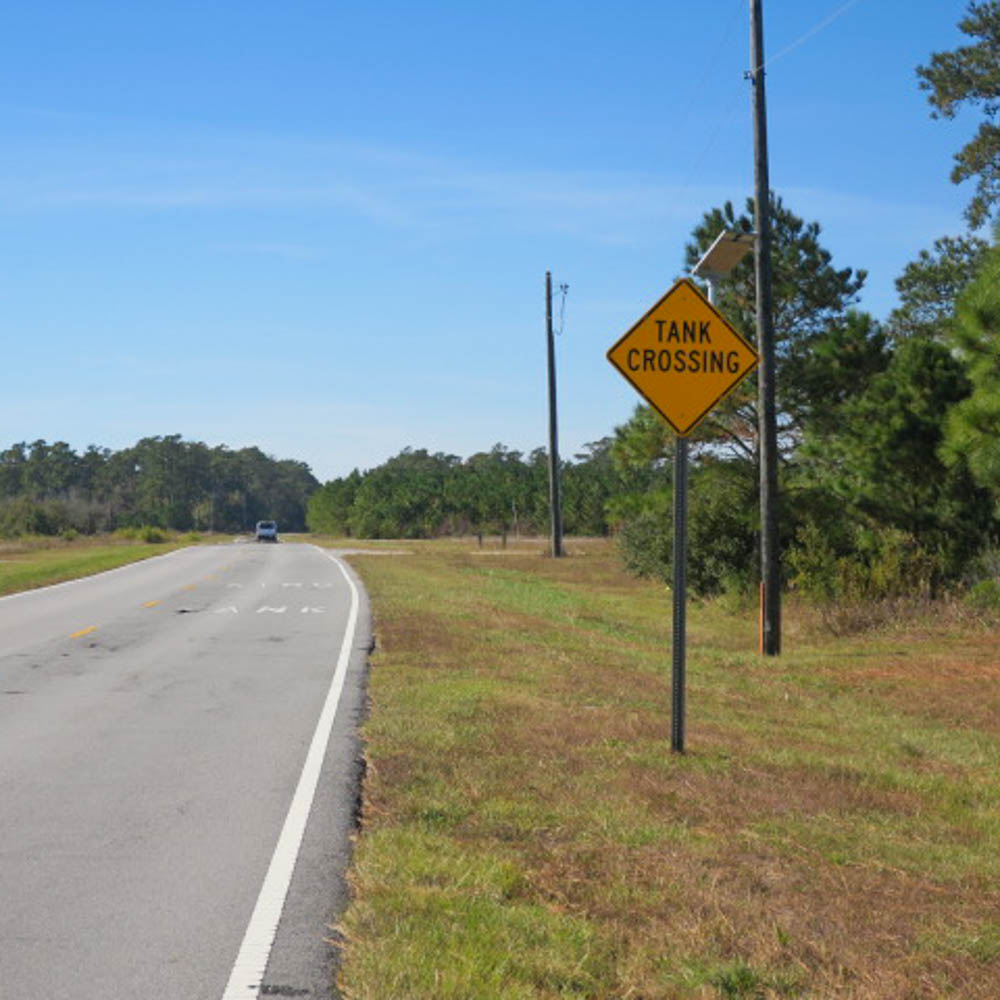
164 481
809 295
537 516
641 452
839 364
588 484
930 286
973 429
404 497
879 460
329 508
291 484
419 495
12 468
91 466
971 75
496 490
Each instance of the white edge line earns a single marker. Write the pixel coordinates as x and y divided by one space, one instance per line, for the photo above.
247 976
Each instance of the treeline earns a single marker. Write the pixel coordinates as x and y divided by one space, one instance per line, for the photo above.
421 495
165 482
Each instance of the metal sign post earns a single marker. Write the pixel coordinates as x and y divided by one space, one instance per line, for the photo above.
678 681
683 358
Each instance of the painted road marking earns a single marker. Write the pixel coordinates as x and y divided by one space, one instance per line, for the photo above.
247 976
235 586
190 586
83 632
223 611
275 611
150 604
291 585
314 611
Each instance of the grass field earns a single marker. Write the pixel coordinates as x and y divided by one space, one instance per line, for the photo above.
25 565
833 831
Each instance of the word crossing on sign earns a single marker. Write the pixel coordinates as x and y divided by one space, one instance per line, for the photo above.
683 357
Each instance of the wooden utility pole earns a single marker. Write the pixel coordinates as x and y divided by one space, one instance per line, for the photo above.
770 569
555 504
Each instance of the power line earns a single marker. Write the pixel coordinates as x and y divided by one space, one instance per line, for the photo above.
563 289
814 30
711 68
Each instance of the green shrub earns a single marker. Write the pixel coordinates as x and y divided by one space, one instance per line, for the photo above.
897 566
645 544
814 565
984 596
721 528
879 564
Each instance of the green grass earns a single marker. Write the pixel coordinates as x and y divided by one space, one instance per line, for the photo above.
39 567
834 829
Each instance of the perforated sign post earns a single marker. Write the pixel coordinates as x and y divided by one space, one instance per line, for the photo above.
683 358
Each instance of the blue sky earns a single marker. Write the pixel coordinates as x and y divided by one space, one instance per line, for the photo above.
322 228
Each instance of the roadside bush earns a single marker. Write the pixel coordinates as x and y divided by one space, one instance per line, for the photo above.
721 538
645 545
143 533
23 516
722 513
986 566
984 597
881 564
814 565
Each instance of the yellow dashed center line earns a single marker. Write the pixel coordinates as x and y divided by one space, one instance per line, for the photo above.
150 604
84 631
190 586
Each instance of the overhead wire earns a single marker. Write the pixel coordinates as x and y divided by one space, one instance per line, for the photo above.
563 289
711 65
814 30
727 113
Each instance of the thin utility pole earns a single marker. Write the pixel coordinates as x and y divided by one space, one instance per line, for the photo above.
766 415
555 504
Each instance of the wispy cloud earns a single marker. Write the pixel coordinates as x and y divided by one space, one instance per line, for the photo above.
394 188
387 186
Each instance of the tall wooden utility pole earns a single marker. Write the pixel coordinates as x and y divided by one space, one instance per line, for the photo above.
770 570
555 504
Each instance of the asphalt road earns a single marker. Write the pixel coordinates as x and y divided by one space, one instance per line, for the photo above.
178 747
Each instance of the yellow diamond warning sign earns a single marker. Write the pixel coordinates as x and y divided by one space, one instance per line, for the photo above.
683 357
